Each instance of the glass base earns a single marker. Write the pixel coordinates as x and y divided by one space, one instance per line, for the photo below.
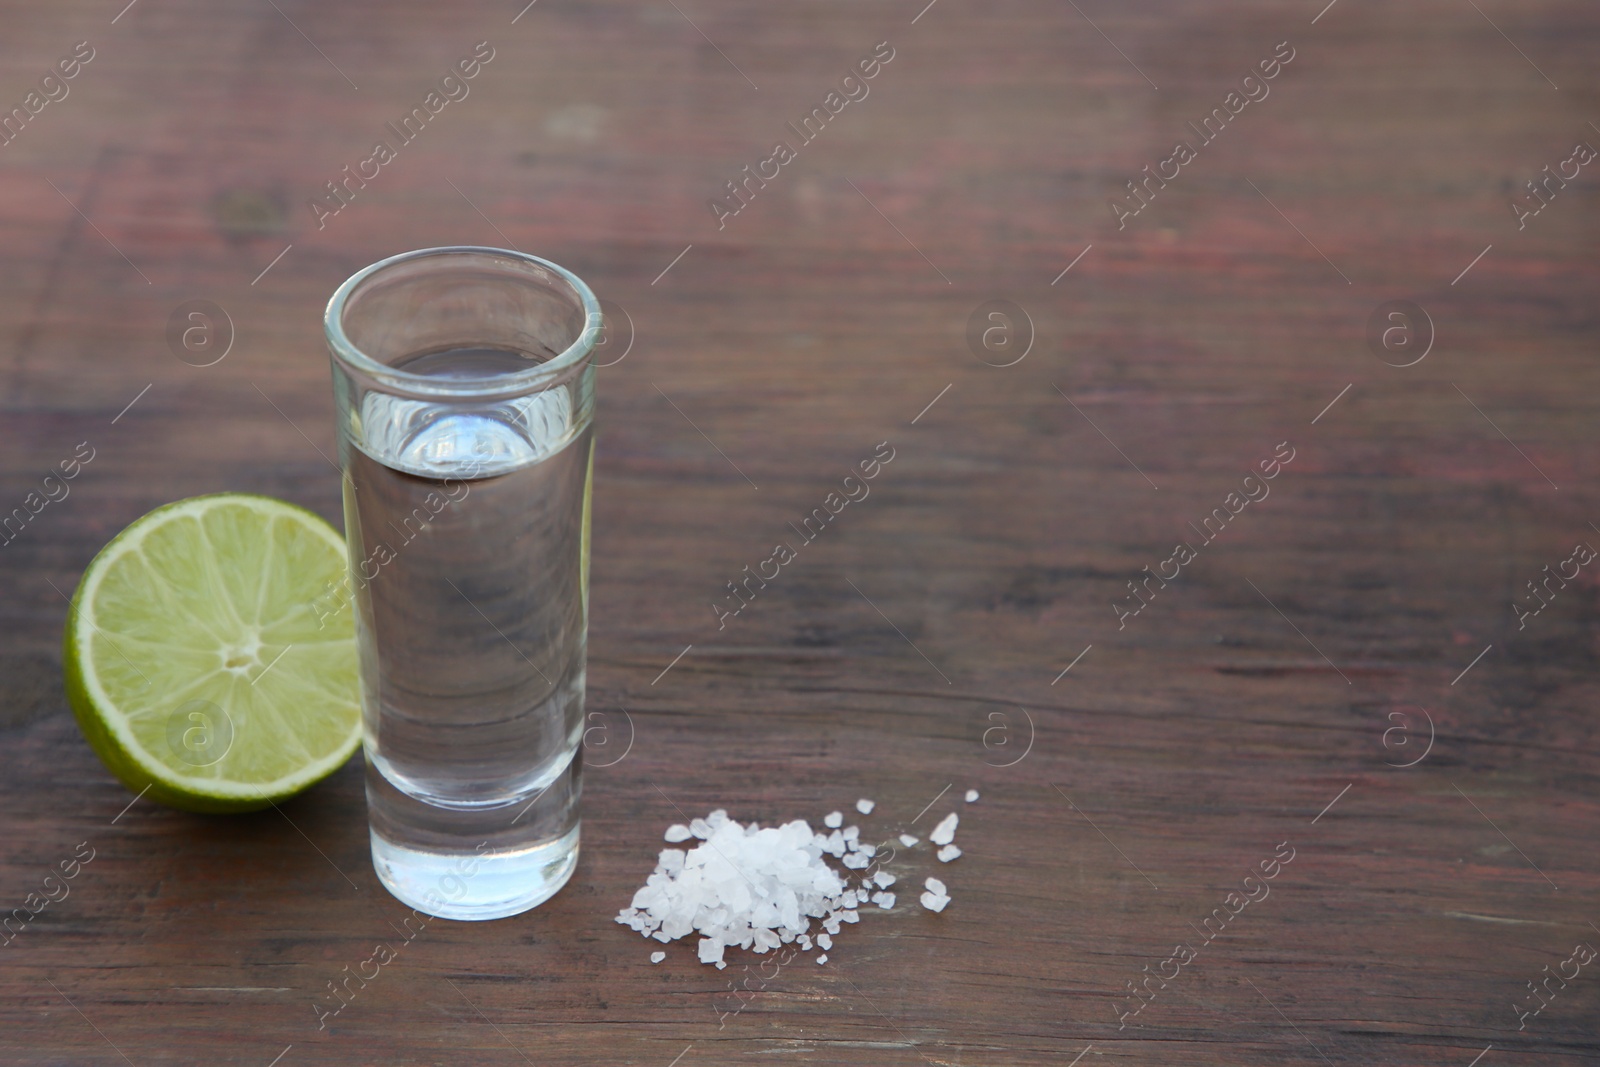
478 862
472 885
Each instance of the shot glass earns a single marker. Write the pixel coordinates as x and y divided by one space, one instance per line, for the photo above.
463 385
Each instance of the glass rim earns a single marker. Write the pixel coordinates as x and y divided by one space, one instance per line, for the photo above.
529 380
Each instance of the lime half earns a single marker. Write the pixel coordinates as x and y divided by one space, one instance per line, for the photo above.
210 656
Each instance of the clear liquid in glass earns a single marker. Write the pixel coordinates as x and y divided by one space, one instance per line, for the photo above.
466 527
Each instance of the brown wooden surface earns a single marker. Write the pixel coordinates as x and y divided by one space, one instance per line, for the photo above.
1252 692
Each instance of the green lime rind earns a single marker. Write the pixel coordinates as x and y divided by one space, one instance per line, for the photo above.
183 609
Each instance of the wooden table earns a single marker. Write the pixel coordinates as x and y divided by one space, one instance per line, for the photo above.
1340 673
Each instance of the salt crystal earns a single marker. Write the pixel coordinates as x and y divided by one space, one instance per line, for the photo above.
824 942
948 853
851 916
657 957
972 795
700 828
822 959
851 833
677 832
833 820
933 903
884 879
884 900
865 806
935 887
945 832
710 950
907 840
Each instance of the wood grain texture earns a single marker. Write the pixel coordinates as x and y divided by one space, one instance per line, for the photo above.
1178 752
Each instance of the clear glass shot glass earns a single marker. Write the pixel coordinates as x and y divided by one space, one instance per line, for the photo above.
463 385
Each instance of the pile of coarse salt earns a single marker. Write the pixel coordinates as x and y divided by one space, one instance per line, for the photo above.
757 888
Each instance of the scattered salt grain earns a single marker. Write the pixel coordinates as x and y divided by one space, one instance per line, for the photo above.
833 820
935 898
677 832
657 957
822 959
824 942
907 840
945 832
948 853
972 795
884 879
884 900
865 806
